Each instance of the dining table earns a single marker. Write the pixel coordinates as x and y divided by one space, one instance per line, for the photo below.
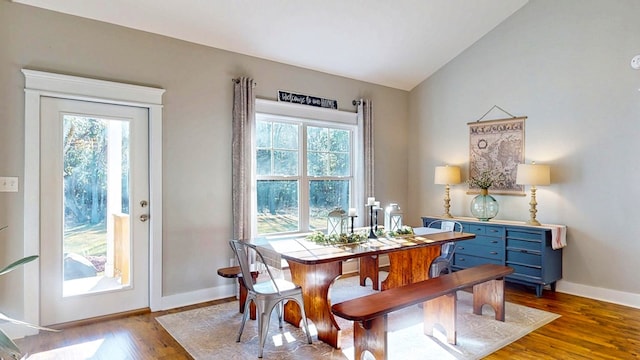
315 267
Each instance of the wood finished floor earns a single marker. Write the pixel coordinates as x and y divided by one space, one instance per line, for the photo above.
588 329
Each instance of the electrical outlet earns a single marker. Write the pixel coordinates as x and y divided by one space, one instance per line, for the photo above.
8 184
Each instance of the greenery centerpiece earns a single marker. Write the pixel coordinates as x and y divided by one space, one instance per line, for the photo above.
484 206
355 238
403 231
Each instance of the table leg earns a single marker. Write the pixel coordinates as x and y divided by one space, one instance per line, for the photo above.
315 281
370 268
409 266
243 296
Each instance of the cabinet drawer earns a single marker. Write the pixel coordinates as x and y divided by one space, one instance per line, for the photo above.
525 235
465 261
488 241
524 257
535 272
479 250
523 244
483 229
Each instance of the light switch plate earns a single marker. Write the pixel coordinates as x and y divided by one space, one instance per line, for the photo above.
8 184
635 62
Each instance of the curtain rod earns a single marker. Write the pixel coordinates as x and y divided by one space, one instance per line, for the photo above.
237 81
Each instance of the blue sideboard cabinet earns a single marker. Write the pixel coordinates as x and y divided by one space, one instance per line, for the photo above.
527 249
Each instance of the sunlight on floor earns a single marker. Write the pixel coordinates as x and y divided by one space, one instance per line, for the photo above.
85 350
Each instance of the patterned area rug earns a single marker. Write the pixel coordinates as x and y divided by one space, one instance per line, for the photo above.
210 332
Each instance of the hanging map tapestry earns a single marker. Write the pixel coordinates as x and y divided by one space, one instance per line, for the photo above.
496 148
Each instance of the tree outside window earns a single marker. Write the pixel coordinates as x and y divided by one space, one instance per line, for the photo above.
297 185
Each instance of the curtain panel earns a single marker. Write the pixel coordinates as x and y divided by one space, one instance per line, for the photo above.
365 120
243 131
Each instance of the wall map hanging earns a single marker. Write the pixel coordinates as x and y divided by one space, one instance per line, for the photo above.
497 146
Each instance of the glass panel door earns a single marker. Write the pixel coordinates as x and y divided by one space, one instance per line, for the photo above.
94 209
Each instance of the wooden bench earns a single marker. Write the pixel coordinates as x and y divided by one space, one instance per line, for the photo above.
438 295
235 272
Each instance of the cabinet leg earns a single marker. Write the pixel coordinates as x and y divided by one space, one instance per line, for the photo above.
553 286
539 290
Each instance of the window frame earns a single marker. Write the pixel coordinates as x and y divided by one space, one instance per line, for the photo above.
305 116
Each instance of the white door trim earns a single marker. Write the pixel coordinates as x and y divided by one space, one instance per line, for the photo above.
38 84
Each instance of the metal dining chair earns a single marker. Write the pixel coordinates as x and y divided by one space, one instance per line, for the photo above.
267 294
442 264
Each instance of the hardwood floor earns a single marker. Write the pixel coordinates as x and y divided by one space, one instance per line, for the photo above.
588 329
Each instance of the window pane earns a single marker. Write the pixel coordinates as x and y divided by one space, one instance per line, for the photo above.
316 163
340 164
263 134
339 140
263 162
285 136
317 139
277 206
285 163
328 152
324 196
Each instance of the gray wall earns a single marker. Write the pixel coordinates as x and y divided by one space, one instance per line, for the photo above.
197 128
565 65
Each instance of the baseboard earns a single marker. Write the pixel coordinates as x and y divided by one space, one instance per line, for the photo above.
602 294
197 297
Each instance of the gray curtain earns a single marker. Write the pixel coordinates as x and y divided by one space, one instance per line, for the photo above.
243 128
365 119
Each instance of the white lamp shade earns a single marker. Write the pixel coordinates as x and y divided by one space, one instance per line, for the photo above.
447 175
533 174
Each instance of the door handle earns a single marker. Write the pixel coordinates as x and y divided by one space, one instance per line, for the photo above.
144 217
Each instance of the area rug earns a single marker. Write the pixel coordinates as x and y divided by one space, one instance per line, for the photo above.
210 332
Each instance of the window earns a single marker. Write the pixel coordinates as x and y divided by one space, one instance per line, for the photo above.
304 168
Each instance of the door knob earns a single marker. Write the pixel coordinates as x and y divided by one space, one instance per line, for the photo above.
144 217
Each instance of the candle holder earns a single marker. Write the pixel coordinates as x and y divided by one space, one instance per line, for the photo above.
375 217
352 217
372 234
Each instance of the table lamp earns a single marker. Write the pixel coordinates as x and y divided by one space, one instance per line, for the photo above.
447 175
534 175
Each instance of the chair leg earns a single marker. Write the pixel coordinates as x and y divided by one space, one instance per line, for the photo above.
280 309
245 315
299 301
264 317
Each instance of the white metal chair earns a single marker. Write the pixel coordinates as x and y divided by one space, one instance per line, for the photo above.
443 262
266 294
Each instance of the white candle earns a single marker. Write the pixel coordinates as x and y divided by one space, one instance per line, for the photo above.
371 201
352 211
377 204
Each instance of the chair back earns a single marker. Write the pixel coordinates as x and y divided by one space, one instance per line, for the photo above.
243 251
450 225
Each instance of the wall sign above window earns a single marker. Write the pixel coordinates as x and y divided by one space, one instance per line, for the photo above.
286 96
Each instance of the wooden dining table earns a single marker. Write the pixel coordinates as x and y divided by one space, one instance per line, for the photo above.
315 267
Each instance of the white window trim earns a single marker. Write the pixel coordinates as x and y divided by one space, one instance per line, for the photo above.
39 84
283 109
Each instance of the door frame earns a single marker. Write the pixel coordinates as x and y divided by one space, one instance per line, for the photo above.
38 84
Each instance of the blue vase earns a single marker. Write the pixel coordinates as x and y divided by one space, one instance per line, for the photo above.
484 206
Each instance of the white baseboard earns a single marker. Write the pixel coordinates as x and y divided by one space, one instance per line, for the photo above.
196 297
602 294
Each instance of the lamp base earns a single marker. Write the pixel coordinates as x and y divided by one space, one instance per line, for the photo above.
533 222
446 215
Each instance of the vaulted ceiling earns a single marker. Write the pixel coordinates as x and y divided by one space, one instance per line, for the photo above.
395 43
